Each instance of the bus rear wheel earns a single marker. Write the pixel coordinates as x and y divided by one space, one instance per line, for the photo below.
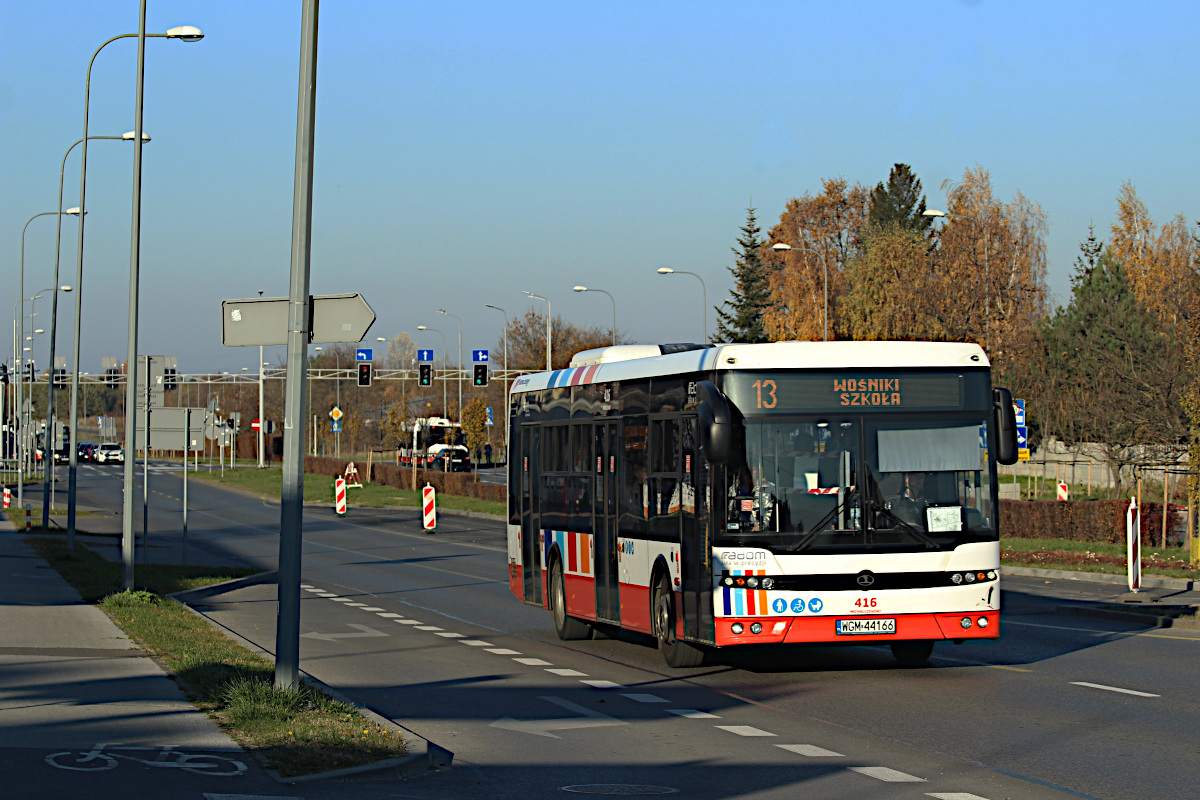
568 628
917 652
674 652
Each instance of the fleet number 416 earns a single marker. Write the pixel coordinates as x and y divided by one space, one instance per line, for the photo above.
866 602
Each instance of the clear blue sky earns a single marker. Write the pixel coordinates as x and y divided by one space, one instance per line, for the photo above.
467 150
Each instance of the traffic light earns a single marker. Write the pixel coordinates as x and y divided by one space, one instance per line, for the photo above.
4 374
481 374
32 376
112 378
425 377
364 374
169 379
60 378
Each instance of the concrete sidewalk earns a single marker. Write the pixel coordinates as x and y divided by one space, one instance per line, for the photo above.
70 680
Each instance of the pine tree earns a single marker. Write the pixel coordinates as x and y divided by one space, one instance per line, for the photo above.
751 292
900 202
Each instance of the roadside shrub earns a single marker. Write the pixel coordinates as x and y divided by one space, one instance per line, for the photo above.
1078 520
127 599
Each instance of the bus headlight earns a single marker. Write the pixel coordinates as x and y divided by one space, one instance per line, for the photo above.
969 577
991 575
736 628
751 583
768 583
956 579
756 627
965 622
982 622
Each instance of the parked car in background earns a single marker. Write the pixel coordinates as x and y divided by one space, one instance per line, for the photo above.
86 451
110 453
454 458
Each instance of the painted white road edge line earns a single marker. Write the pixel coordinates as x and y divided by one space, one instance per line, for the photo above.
954 796
692 713
1113 689
887 775
744 730
476 643
644 698
604 684
503 651
810 750
567 673
533 662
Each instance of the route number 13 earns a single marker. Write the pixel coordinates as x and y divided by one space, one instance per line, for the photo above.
766 388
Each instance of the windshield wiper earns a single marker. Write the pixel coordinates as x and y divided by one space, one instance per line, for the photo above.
819 528
915 532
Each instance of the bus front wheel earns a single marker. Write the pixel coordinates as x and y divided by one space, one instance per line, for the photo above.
568 628
674 652
916 652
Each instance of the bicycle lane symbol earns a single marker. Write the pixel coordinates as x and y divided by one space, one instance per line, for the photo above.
97 759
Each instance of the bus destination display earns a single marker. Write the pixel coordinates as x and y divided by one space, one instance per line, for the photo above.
798 393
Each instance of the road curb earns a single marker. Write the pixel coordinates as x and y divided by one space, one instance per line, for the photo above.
1151 581
1117 615
423 754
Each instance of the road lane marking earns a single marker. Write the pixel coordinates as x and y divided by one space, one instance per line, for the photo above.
533 662
954 796
810 750
692 713
587 718
371 608
888 775
476 643
355 605
408 621
363 632
451 635
644 698
503 651
341 599
604 685
429 628
1113 689
744 730
568 673
390 615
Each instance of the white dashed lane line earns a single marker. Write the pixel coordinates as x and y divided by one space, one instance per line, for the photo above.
744 730
885 774
810 750
1113 689
888 775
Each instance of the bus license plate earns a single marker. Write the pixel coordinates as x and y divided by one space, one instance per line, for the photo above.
850 627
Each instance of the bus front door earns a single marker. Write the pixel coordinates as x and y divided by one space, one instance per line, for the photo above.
608 606
531 533
696 541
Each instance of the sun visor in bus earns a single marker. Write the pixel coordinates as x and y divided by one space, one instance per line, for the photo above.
716 423
1006 426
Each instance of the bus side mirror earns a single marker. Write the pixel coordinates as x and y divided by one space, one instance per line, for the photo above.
715 424
1006 426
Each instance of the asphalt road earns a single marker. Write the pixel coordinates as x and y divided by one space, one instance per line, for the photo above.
422 629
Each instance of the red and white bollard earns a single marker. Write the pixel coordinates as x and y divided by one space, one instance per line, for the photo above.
339 496
429 506
7 497
28 517
1133 545
1063 492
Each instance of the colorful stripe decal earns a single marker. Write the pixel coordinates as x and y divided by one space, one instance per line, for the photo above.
573 376
744 602
576 549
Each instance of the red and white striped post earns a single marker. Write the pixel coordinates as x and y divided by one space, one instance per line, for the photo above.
339 496
1063 492
7 497
429 506
1133 545
28 517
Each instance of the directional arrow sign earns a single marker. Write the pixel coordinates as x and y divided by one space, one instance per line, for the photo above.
542 727
264 320
1022 436
364 633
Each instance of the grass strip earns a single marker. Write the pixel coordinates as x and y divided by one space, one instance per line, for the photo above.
1103 557
297 732
319 489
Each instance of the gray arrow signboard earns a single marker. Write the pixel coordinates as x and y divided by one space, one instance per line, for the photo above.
264 320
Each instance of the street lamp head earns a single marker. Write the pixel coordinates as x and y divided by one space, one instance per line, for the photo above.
422 328
186 33
65 288
579 288
781 246
441 311
380 339
933 212
74 211
129 136
665 270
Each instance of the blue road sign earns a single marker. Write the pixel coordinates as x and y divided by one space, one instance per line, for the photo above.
1019 409
364 354
1022 436
335 426
489 416
425 356
479 356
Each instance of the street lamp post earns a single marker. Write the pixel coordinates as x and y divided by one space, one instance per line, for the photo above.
186 33
51 422
460 364
987 283
445 402
781 247
614 305
703 294
549 363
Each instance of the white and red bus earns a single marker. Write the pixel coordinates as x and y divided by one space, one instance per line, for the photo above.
735 495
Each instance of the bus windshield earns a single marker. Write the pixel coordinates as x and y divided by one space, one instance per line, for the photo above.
851 482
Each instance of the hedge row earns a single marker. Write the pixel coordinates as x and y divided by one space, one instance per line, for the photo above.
1080 520
461 484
